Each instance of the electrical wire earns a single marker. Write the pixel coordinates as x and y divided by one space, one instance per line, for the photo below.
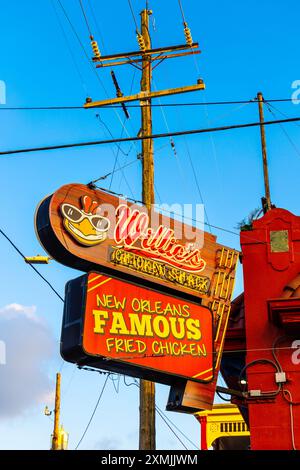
292 427
115 378
172 143
70 50
223 398
108 174
96 23
270 103
147 137
181 10
85 18
133 15
74 31
224 385
295 147
264 394
197 182
192 219
153 105
164 418
130 384
274 347
93 413
86 55
66 390
117 154
170 427
122 107
177 428
30 265
263 361
90 62
178 160
110 133
290 401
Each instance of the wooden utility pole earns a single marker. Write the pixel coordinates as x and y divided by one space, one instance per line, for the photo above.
55 437
144 60
147 389
267 200
147 145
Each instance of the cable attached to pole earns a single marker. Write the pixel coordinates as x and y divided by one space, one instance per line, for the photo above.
93 413
33 267
147 137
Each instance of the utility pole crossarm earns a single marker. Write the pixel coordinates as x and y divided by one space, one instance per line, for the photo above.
159 57
160 50
146 95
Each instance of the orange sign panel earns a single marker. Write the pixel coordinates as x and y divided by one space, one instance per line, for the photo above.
139 332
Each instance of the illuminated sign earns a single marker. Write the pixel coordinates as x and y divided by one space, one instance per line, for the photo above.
89 229
118 326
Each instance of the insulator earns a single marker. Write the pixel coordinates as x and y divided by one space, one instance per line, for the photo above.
96 51
141 42
188 35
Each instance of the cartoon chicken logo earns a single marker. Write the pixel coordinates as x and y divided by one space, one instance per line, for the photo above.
85 225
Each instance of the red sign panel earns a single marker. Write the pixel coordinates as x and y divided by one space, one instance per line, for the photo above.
126 325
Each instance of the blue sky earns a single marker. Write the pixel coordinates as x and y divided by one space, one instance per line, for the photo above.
247 47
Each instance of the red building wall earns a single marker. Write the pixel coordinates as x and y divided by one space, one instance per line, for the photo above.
271 261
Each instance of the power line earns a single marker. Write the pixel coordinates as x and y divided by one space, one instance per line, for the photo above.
295 147
178 160
116 162
172 213
93 413
69 48
147 137
207 103
170 427
133 15
159 356
278 110
115 154
85 18
181 10
33 267
111 134
100 81
111 172
74 31
89 61
164 417
96 23
178 429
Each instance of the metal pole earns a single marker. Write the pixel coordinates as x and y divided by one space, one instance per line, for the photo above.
147 389
55 443
264 153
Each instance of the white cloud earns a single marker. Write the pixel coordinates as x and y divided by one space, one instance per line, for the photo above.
15 310
29 345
